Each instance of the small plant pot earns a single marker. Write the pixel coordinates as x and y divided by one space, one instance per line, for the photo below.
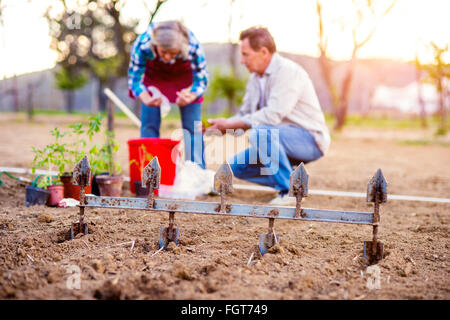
36 196
110 186
141 192
56 195
95 190
71 190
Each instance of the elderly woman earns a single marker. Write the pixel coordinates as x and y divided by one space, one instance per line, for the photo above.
169 57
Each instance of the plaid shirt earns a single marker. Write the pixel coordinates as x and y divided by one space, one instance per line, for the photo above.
142 51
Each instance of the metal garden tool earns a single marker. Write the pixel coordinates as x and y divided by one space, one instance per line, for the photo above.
82 178
298 188
373 250
223 184
151 178
268 240
170 233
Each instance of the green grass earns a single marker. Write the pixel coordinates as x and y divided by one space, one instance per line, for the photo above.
424 143
384 122
53 112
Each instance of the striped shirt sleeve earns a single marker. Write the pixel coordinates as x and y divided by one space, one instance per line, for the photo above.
141 52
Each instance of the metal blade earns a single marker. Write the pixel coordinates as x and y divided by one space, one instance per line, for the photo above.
224 178
82 173
298 182
376 185
267 241
166 235
152 174
368 252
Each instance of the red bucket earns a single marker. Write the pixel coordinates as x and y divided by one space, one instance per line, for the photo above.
140 152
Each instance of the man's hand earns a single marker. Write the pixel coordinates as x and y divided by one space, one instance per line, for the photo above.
220 124
185 97
149 100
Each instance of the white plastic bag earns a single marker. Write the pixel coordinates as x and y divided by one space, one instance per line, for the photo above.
190 182
68 202
165 104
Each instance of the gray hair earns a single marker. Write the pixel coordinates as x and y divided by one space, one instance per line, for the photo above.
259 37
171 35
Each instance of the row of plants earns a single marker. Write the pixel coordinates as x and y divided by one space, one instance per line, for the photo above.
69 147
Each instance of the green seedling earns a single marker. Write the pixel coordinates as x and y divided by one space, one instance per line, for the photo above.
206 124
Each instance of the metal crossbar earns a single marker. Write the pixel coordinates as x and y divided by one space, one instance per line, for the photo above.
237 210
298 188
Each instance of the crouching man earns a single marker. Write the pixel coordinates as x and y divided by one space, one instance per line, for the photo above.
282 111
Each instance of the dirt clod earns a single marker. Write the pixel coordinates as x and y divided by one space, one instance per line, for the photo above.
172 247
45 218
276 249
182 272
108 291
98 266
406 271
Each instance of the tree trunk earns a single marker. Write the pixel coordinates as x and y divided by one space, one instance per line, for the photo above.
120 43
442 108
110 110
423 115
15 92
325 69
70 94
345 95
101 97
233 62
30 102
110 105
94 96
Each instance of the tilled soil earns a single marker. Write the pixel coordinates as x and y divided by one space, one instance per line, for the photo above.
217 257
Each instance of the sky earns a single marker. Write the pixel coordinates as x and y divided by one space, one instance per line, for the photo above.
405 31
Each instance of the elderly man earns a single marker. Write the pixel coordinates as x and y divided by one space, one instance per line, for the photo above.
281 108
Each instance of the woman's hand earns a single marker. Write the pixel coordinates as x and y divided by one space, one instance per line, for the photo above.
149 100
185 97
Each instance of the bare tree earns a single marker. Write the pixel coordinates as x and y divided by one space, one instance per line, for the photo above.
340 98
439 76
153 12
419 82
98 43
31 86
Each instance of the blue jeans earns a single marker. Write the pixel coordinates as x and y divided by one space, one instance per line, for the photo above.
267 160
193 138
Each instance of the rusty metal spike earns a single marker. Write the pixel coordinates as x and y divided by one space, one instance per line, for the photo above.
224 178
82 173
376 185
152 174
298 182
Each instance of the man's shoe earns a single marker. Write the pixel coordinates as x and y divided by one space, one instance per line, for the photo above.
283 200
